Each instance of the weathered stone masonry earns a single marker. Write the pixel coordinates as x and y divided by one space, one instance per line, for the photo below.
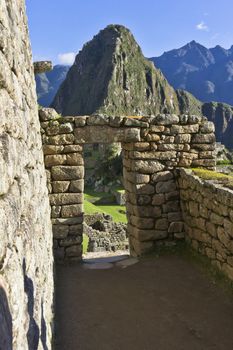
207 210
26 259
152 148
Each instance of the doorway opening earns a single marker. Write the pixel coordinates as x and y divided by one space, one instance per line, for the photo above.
105 220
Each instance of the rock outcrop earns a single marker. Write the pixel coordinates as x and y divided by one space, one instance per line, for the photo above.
26 259
111 76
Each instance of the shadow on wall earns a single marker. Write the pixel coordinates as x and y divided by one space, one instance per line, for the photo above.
5 322
33 334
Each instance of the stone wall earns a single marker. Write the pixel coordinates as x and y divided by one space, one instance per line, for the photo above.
152 148
207 210
26 262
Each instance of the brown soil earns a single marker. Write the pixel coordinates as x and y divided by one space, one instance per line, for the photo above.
156 304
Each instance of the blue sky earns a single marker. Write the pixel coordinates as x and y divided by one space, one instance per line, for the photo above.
59 28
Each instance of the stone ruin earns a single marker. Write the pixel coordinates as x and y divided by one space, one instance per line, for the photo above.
164 202
153 148
104 234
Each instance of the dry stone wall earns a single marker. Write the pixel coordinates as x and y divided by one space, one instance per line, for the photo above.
26 261
207 210
152 148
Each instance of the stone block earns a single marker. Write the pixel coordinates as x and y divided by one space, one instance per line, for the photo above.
174 216
145 189
74 251
170 147
203 138
57 129
161 224
171 206
141 178
65 198
140 248
55 211
184 129
141 146
76 230
97 120
207 163
56 159
183 138
74 159
152 137
223 236
143 200
166 119
106 134
80 121
60 231
69 211
135 122
72 148
68 221
147 166
201 236
158 199
194 208
51 149
146 223
228 270
70 241
219 247
64 139
207 127
216 219
172 195
166 155
157 128
211 229
67 172
228 227
162 176
60 186
77 186
46 114
165 186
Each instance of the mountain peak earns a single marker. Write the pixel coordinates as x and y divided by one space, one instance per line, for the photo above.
111 76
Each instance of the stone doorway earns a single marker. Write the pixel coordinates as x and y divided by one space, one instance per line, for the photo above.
153 147
105 222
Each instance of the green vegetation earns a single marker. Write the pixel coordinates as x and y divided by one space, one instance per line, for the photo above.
85 243
224 162
93 203
204 174
116 211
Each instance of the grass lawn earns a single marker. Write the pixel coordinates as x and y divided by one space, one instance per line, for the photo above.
90 207
113 210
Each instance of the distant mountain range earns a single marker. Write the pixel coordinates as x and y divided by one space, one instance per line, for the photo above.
48 83
111 75
206 73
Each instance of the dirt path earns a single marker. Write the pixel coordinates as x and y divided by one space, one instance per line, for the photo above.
156 304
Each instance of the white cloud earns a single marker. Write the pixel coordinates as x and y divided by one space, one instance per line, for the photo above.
66 58
202 26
